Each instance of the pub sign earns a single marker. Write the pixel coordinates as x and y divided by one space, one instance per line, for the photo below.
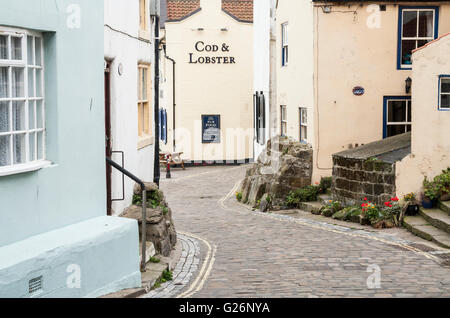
210 129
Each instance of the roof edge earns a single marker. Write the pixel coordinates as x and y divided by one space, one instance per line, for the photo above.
430 43
235 17
186 16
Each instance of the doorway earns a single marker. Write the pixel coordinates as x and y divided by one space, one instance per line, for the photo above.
108 148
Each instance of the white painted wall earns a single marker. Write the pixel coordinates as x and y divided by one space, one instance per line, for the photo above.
295 81
125 49
430 142
264 25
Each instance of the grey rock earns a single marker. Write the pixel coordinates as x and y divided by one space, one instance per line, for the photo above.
283 166
160 226
149 186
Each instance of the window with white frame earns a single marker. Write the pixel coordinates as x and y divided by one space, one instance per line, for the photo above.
283 120
444 92
418 27
22 124
398 116
303 112
284 44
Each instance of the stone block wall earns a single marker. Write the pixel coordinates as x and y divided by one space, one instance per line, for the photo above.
355 179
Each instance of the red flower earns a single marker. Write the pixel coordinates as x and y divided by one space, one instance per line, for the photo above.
365 199
395 199
386 203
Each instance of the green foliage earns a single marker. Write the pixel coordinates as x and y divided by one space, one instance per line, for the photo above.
167 275
431 189
443 181
371 159
325 183
154 260
239 196
347 213
154 200
440 185
307 194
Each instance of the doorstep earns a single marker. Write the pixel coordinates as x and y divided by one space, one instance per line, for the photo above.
152 274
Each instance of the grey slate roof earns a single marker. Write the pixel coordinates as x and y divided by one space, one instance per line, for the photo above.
390 150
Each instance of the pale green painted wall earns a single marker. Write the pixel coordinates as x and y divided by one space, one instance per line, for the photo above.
74 190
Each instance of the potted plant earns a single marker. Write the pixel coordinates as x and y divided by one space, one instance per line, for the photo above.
443 180
411 203
431 193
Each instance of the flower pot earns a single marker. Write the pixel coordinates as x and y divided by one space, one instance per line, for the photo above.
412 209
428 204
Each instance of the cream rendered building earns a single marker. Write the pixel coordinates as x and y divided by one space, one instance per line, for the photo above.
343 69
430 140
209 42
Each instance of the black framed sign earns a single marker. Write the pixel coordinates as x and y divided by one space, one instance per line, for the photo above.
210 129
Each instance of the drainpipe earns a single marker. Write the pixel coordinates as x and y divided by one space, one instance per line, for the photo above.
156 170
173 96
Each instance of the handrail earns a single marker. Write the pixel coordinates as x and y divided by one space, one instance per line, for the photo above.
144 207
126 172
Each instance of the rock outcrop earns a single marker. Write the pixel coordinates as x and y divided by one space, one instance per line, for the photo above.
160 226
283 166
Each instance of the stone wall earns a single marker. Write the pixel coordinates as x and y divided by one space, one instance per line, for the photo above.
355 179
160 226
283 166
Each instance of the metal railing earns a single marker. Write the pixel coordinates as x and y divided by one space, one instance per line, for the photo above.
144 207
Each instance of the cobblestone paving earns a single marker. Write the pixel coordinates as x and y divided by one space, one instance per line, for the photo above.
276 256
183 272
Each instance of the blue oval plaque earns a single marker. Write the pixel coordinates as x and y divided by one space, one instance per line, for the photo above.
358 91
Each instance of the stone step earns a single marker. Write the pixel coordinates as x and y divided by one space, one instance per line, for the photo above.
324 198
445 206
437 218
313 207
420 227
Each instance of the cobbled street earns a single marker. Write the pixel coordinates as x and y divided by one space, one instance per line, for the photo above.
250 254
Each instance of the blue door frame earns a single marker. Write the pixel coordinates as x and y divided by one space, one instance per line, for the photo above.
385 100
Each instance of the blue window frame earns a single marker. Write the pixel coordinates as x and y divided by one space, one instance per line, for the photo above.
416 27
444 93
163 125
397 113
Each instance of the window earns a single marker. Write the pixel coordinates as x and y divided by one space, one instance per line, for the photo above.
143 19
284 45
163 125
303 112
444 92
22 124
144 112
260 117
283 121
397 116
417 27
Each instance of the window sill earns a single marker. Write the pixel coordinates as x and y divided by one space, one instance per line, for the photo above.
145 141
23 168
